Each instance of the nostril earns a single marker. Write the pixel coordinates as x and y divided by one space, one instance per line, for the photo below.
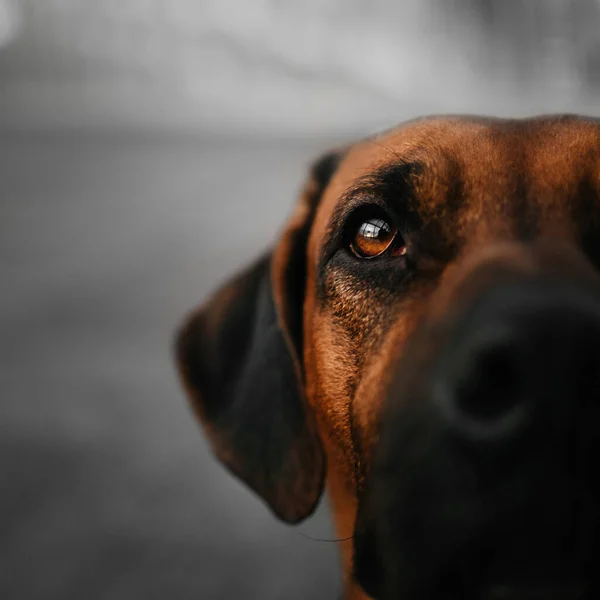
491 385
482 392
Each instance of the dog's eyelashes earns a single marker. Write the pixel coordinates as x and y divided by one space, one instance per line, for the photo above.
372 235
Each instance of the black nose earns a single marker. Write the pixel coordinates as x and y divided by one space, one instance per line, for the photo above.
521 352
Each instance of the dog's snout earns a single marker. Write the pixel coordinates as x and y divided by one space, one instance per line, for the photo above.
497 434
523 353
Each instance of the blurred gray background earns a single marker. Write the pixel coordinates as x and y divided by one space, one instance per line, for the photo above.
148 148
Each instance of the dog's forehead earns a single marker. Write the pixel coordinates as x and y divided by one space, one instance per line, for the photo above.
542 163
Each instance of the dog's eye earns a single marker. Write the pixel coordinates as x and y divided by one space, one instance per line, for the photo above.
374 235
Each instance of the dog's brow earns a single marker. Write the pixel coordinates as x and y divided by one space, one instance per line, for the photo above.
389 184
386 181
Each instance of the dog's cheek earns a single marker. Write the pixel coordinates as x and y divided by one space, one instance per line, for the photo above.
330 373
361 312
342 345
368 406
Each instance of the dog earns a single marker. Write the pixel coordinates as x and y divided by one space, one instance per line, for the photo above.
424 342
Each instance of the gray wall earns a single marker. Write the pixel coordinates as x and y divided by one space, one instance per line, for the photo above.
296 68
148 149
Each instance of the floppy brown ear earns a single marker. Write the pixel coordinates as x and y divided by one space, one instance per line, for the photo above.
239 358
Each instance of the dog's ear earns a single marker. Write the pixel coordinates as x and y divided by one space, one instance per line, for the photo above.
240 358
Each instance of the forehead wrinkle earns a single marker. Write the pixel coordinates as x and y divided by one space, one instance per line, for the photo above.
567 165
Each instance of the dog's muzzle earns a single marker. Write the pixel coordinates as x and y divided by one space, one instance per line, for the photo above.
526 358
485 482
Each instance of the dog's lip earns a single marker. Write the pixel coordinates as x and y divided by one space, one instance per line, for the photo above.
543 591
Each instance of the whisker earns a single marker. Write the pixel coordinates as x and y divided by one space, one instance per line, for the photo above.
384 147
324 540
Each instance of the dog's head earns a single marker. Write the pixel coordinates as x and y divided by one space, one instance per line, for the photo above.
426 337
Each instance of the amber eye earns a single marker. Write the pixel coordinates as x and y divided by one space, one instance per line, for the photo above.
374 236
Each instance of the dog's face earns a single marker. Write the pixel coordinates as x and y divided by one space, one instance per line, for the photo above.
426 337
